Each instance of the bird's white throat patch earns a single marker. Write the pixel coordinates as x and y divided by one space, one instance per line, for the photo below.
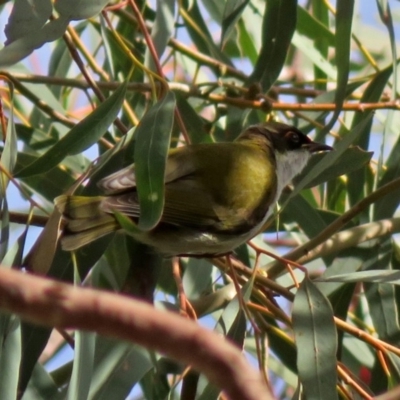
288 165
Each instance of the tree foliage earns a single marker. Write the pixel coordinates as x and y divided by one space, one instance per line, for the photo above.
89 87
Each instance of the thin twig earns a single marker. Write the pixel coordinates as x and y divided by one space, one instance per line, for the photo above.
274 269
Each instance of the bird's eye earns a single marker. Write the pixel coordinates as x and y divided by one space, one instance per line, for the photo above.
294 137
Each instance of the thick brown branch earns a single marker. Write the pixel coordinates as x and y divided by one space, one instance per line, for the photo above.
47 302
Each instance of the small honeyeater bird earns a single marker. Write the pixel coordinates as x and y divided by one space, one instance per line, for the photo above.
217 196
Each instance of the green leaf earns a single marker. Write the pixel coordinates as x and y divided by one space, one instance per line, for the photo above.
25 45
26 18
350 160
246 43
232 12
279 24
199 32
118 367
316 342
321 13
162 30
81 136
10 356
77 9
197 277
10 150
308 218
194 124
83 365
371 94
310 27
34 340
42 386
307 47
50 183
379 276
152 144
127 224
386 17
343 20
330 158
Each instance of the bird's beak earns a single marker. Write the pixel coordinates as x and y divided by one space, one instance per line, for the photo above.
314 147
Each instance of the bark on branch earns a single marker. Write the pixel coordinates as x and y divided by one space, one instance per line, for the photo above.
47 302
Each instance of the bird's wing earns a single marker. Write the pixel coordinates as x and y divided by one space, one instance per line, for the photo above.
186 204
180 187
119 181
178 165
186 200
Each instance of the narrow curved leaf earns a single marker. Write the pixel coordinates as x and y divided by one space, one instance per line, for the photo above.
152 143
329 159
279 24
307 47
162 30
201 36
25 45
81 136
8 160
197 277
232 12
118 367
371 94
350 160
78 9
309 26
343 20
41 385
82 369
376 276
27 17
10 356
316 342
195 125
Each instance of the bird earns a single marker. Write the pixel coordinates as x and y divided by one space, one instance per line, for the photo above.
217 195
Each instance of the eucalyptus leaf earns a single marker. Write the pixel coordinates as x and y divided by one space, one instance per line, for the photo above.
151 151
10 356
199 32
315 335
309 26
344 20
77 9
162 30
118 367
352 159
376 276
27 17
81 136
22 47
372 93
41 385
329 159
279 24
83 365
232 12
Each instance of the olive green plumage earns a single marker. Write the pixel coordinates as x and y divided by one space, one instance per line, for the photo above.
217 196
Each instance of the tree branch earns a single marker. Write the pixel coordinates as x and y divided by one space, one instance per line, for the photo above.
51 303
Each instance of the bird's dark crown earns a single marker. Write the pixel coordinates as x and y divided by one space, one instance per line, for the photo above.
282 137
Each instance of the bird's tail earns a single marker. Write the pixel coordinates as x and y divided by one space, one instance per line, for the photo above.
85 220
